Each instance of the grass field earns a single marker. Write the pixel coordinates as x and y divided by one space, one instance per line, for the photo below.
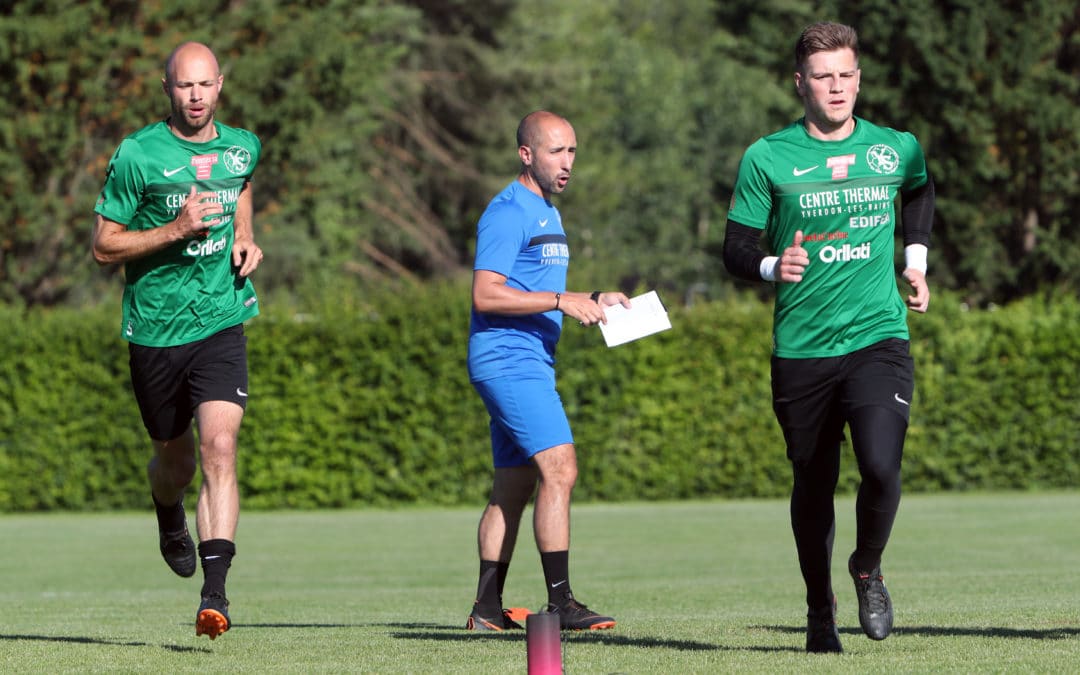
981 583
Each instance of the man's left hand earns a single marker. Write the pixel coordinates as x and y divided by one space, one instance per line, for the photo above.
921 298
246 255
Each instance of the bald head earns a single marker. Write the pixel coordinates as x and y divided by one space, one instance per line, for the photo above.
533 126
190 54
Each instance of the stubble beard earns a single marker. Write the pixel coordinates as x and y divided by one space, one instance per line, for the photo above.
552 186
193 125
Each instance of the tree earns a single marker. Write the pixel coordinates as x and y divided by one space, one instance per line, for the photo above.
648 87
993 93
388 125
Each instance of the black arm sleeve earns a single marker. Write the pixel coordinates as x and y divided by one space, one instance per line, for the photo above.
917 212
742 253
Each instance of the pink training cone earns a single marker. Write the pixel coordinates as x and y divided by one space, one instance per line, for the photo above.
543 644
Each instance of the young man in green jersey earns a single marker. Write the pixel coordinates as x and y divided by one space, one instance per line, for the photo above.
822 190
176 210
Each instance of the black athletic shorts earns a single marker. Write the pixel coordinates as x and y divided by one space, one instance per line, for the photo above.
170 382
813 398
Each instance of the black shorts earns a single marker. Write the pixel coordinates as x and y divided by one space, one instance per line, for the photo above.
813 398
170 382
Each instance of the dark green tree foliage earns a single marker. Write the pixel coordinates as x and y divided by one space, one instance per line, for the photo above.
68 72
992 90
359 174
83 75
315 81
666 97
648 87
388 125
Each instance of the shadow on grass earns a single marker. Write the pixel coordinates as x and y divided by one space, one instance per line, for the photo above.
300 625
429 631
1062 633
74 639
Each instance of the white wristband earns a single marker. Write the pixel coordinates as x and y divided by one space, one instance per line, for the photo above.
768 267
915 257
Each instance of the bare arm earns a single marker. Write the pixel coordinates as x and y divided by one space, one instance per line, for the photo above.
491 295
246 255
114 243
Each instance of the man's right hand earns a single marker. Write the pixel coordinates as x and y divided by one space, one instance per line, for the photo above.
196 209
793 261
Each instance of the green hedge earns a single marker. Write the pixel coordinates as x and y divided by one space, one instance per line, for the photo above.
365 401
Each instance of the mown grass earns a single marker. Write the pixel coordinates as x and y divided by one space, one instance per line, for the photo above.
981 583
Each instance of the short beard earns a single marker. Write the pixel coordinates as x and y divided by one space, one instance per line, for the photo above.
179 117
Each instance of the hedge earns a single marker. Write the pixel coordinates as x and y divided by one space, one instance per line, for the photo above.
365 401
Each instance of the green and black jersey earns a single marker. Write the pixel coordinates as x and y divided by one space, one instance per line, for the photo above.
190 290
842 196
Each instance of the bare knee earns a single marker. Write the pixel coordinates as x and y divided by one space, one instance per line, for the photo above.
173 463
174 473
218 454
557 467
564 477
512 488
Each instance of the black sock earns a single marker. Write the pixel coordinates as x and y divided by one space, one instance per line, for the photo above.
488 590
556 566
216 556
170 518
504 569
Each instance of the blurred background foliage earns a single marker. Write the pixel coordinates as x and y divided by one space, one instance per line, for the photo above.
388 125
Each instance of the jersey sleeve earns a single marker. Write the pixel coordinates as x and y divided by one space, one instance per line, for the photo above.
500 237
125 181
915 173
752 200
256 151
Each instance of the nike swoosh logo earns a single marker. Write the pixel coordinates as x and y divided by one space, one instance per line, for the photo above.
558 583
544 222
241 392
900 400
170 172
799 172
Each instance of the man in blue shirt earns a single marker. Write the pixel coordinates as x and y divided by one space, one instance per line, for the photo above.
519 298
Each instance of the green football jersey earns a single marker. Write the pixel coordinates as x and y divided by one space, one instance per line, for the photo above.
189 290
842 196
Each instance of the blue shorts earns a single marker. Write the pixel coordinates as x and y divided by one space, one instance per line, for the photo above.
527 416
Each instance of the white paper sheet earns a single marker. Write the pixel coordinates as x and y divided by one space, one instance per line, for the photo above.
646 316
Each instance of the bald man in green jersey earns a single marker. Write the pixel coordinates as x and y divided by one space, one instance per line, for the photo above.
176 210
823 190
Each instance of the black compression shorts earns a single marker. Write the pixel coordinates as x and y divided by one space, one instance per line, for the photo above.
814 398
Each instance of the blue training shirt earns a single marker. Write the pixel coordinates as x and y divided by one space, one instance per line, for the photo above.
520 236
